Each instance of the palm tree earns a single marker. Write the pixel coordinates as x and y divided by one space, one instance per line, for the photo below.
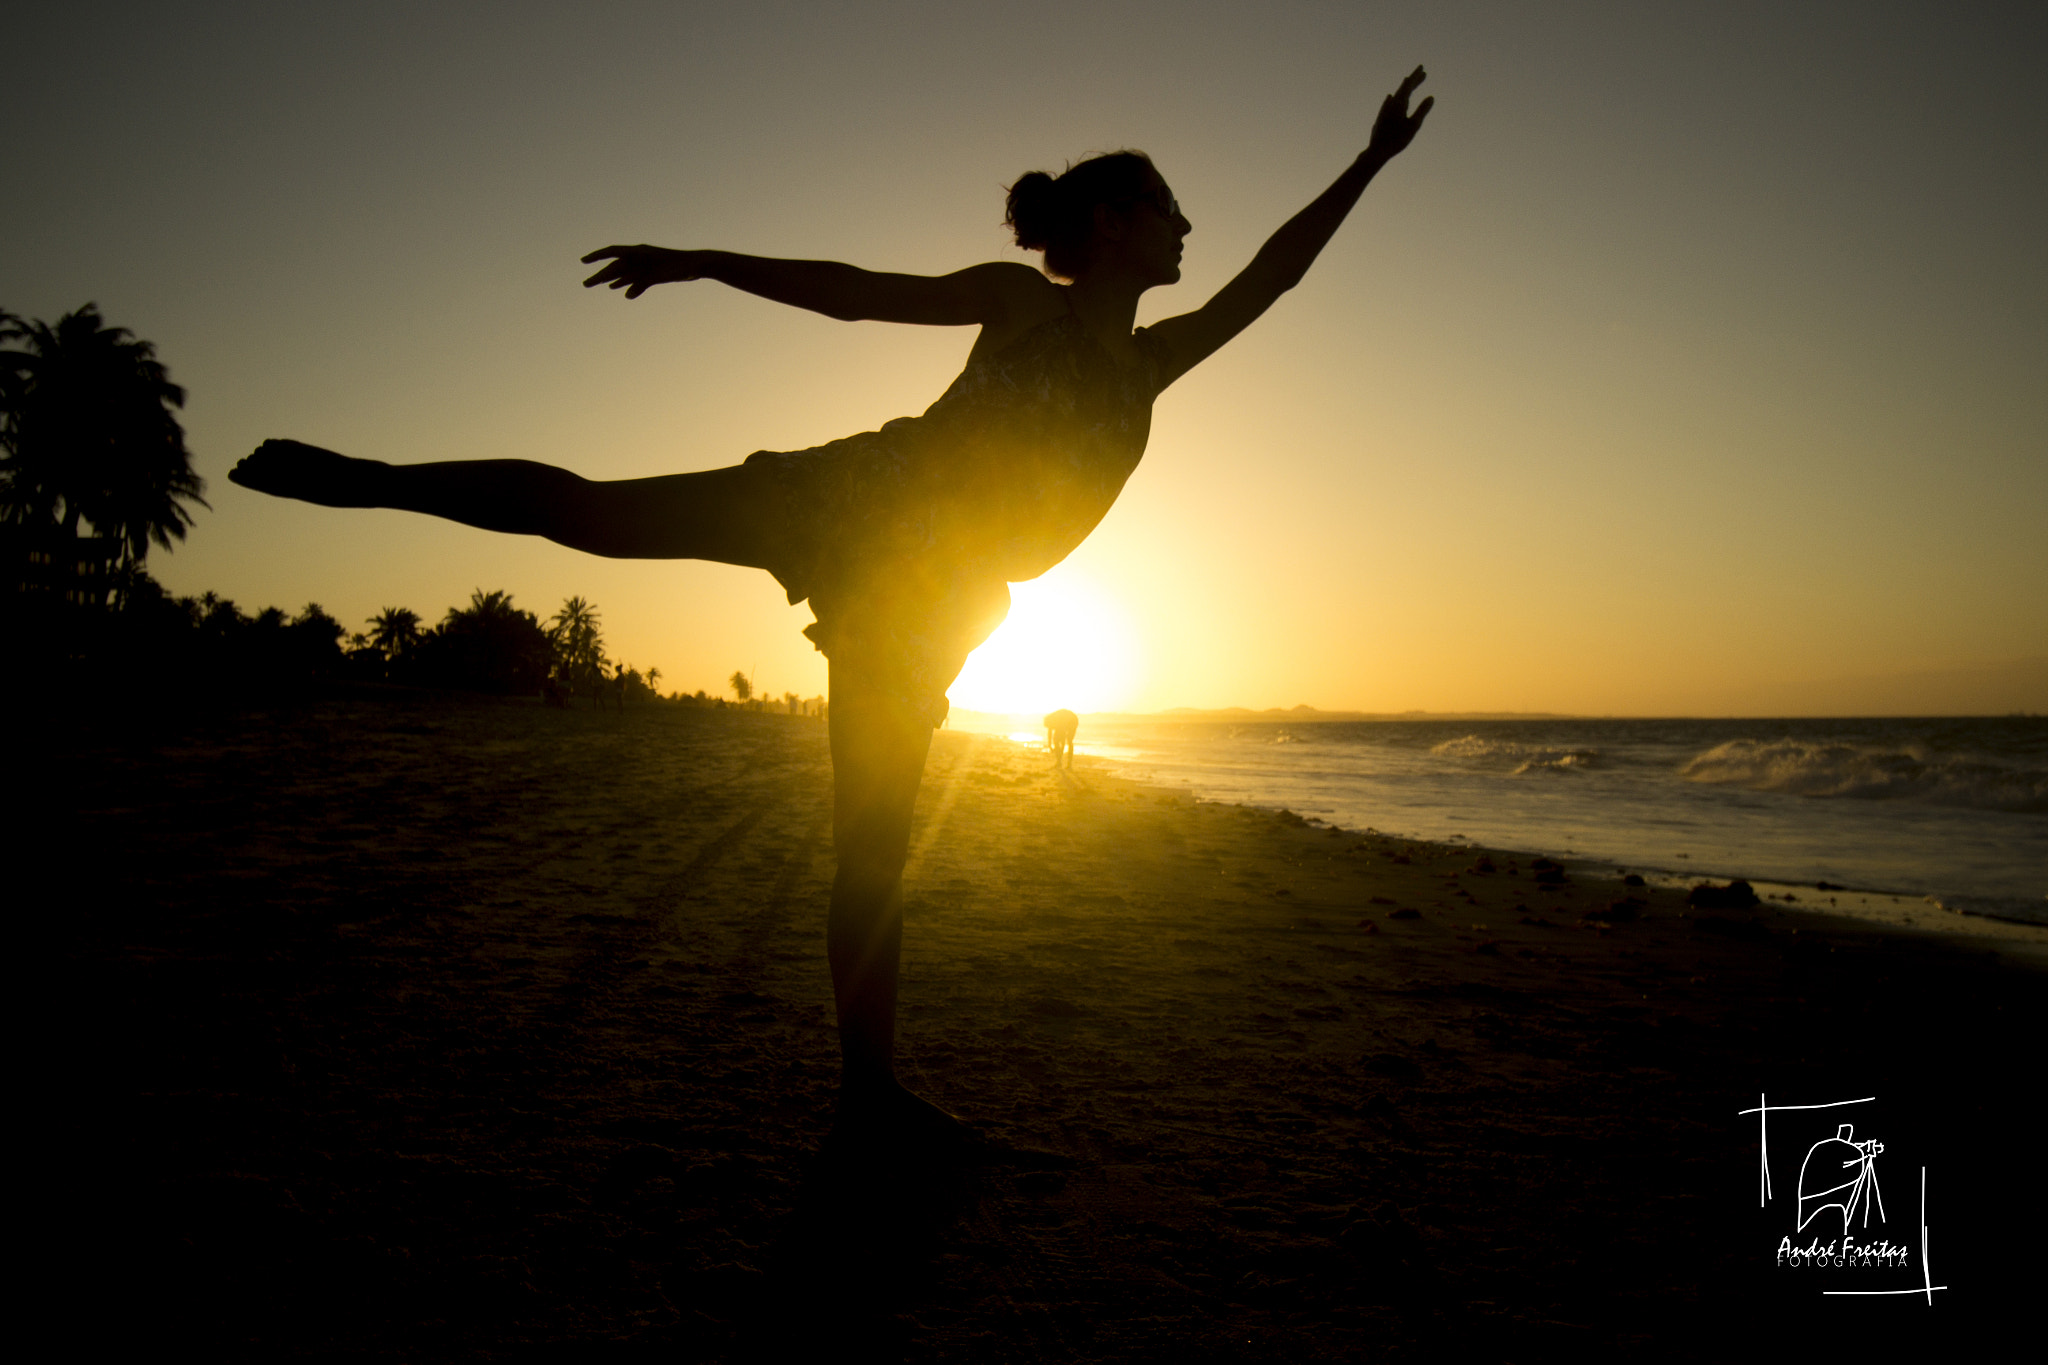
742 685
578 643
394 631
575 631
654 681
88 436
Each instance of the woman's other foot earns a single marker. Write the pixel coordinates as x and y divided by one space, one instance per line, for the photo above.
293 469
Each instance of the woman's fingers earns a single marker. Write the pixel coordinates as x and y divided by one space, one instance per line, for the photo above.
635 269
1395 128
623 262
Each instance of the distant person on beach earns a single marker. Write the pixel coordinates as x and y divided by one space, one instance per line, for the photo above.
1060 728
905 539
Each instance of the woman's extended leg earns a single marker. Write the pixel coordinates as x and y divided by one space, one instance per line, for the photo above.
734 516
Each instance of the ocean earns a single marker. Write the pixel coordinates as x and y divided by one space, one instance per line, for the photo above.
1951 809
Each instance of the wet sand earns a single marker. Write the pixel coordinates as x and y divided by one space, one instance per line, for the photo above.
421 1027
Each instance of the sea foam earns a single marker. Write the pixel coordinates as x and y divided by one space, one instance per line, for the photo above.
1526 758
1820 768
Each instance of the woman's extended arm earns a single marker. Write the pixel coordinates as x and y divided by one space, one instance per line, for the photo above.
1193 337
975 296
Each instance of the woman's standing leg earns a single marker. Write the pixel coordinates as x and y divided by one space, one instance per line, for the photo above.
879 744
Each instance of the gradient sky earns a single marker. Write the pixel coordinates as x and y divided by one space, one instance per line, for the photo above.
1694 360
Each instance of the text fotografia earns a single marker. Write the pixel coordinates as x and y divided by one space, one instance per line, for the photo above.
1844 1253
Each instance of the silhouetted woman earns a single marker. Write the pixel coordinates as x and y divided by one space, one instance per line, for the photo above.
905 539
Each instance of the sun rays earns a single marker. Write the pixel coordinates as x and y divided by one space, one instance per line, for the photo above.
1066 643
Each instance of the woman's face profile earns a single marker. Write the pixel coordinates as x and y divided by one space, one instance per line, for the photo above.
1152 228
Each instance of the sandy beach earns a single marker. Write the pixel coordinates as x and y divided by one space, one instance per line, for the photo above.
417 1027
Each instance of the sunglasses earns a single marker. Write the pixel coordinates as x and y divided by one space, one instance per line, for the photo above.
1161 198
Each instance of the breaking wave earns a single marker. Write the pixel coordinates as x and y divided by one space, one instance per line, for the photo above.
1527 758
1815 768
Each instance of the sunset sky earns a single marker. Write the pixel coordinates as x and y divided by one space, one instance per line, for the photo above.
1694 360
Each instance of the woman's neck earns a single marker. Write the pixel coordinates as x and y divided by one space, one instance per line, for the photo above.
1106 307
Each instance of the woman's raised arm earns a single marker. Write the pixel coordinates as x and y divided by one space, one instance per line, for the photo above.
1193 337
976 296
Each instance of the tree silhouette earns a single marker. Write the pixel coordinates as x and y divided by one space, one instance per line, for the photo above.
578 642
577 638
742 686
88 436
488 646
312 643
395 632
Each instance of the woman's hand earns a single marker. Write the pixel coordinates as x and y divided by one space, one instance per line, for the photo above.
1395 128
637 269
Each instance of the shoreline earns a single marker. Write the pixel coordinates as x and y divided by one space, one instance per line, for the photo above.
1905 911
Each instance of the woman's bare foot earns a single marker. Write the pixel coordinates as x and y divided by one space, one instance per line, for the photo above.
882 1121
883 1113
293 469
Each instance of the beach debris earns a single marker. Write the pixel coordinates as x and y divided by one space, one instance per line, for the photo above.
1489 947
1623 911
1633 879
1406 912
1549 873
1537 920
1381 900
1484 866
1368 926
1737 895
1829 886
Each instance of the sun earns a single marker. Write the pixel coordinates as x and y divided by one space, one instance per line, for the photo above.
1065 644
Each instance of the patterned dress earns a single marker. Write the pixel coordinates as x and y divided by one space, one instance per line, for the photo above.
910 536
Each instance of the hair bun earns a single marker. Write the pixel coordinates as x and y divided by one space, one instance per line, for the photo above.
1032 209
